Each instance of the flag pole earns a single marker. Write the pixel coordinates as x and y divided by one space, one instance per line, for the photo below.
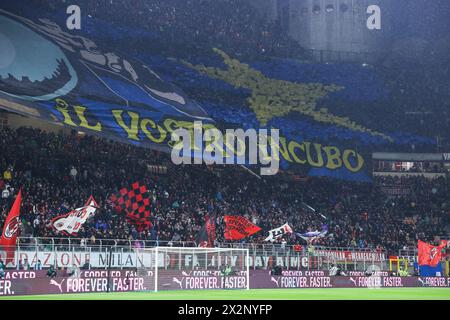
250 171
109 270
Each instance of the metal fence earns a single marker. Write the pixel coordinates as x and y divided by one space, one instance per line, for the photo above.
69 243
133 244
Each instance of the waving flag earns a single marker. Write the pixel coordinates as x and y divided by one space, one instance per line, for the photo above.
135 202
313 235
430 255
207 235
275 234
237 228
71 222
11 229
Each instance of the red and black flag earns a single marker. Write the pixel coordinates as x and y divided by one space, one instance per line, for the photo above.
237 228
135 202
11 230
207 235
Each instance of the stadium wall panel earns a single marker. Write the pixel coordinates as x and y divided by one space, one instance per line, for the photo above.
36 282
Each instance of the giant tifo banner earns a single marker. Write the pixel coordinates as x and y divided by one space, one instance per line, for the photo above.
36 282
140 258
61 76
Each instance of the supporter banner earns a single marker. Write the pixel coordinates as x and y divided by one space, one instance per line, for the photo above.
144 259
278 232
36 282
140 258
350 255
237 228
313 235
69 80
396 191
71 222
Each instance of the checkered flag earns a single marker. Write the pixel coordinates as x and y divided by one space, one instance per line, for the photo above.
135 202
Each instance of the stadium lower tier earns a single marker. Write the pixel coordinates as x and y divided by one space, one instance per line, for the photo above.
16 283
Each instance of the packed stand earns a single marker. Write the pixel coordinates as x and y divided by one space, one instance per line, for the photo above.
58 172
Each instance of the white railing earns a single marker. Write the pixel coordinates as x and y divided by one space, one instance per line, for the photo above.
132 244
98 243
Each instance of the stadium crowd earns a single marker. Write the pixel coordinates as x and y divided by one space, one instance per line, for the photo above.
192 27
58 172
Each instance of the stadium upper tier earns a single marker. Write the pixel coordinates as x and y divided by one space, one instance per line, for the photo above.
359 215
396 103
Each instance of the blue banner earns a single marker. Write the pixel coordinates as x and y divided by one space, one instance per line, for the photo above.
54 74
